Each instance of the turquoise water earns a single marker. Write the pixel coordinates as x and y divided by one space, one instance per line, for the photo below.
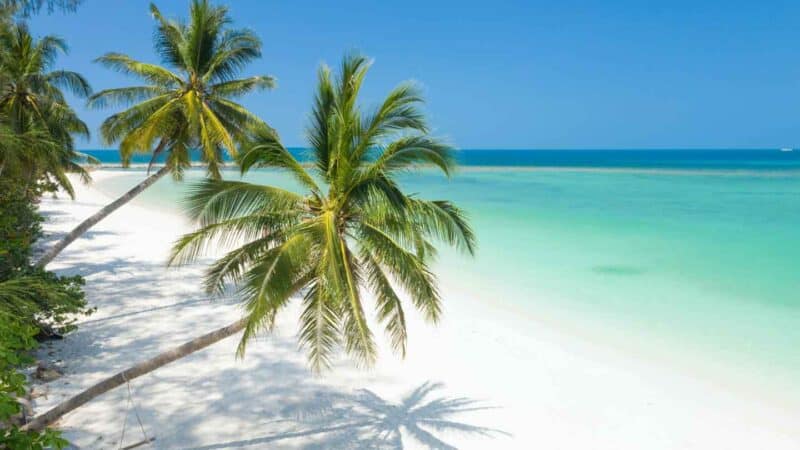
713 159
696 265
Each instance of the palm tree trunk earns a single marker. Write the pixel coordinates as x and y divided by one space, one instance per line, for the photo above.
42 421
100 215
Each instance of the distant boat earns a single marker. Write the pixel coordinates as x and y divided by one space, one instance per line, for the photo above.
786 149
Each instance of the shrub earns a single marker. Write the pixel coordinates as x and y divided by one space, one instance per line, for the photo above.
16 341
20 226
33 303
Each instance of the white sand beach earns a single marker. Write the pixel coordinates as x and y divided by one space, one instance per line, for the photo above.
507 380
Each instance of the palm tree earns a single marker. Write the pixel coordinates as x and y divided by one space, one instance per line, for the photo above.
34 107
16 150
353 230
186 103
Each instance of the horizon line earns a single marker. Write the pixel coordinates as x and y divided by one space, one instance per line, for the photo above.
552 148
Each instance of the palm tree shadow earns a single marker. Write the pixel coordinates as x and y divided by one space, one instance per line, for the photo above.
364 420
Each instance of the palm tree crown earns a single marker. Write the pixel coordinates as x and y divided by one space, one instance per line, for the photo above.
353 230
186 103
34 107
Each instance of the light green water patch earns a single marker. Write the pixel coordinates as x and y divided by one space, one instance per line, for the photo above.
702 266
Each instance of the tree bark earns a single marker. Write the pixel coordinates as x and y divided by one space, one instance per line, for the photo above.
98 216
42 421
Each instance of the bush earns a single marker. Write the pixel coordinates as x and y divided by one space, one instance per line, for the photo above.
20 226
33 303
57 298
46 301
16 341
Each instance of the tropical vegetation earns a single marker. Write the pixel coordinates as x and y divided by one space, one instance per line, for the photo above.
353 229
185 104
34 304
37 132
34 109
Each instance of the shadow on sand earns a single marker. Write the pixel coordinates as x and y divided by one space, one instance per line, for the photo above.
364 420
145 308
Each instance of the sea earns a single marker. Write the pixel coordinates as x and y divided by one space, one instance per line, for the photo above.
674 255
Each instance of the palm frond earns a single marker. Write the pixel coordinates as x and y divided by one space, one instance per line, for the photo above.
206 22
318 132
269 284
398 112
238 88
169 40
72 81
319 330
413 152
265 150
410 271
343 279
124 96
213 201
440 219
388 304
148 72
160 123
235 50
266 227
117 126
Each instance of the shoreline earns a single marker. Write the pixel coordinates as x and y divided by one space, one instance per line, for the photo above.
793 172
550 388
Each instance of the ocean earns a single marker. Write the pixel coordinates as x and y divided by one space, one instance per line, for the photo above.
678 255
715 159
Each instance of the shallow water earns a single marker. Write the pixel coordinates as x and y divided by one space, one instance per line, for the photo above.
699 266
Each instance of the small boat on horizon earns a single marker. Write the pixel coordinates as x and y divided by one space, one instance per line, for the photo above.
787 149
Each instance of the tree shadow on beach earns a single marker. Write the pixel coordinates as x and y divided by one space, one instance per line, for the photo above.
364 420
51 238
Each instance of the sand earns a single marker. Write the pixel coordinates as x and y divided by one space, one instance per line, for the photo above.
486 377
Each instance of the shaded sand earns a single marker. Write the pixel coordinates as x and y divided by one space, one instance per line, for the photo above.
486 377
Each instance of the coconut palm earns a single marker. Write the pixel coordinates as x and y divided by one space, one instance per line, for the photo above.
186 103
17 149
352 230
33 105
38 162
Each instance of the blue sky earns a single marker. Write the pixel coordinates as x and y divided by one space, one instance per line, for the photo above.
611 74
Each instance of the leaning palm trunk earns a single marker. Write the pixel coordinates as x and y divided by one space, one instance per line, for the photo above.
42 421
100 215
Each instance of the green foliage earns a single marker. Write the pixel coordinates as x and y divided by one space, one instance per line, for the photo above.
37 126
32 302
352 230
16 341
20 226
52 300
185 103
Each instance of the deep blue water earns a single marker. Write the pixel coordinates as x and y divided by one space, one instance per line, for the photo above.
766 159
